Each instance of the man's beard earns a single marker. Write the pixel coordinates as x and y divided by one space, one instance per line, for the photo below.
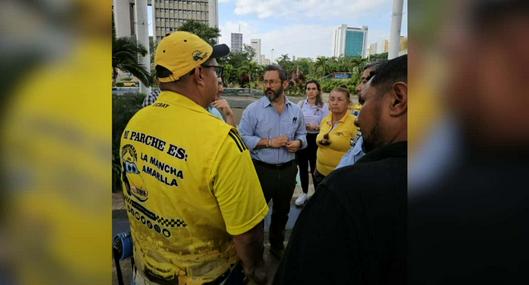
373 140
273 95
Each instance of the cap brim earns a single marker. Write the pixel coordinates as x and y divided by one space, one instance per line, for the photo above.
220 51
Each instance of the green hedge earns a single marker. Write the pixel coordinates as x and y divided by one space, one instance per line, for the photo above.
123 108
329 84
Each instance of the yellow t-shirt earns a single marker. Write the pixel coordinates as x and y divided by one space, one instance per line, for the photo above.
189 186
328 157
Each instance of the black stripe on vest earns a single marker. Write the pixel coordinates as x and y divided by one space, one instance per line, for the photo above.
238 140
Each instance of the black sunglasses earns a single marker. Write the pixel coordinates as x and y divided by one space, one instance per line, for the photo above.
325 141
218 69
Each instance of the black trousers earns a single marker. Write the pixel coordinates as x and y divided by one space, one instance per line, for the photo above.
307 157
278 184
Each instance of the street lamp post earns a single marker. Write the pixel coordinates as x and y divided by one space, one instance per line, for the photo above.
394 37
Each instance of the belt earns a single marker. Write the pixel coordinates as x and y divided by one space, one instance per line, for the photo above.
274 166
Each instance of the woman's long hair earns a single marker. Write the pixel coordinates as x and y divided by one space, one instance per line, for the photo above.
319 101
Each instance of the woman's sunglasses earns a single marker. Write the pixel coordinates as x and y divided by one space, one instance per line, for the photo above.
325 141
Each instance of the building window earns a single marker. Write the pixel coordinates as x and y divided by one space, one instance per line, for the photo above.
132 20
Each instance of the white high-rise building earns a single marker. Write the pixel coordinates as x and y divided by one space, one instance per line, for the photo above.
168 15
236 42
265 60
256 46
372 48
349 41
382 46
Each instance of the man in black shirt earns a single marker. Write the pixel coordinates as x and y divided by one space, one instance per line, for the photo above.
353 231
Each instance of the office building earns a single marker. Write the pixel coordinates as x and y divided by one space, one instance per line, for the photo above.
256 46
264 60
170 14
236 42
383 46
372 48
167 15
349 41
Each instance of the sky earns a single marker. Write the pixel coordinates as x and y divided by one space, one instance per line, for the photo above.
303 28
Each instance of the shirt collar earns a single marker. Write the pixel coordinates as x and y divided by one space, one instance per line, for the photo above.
265 102
315 106
342 120
176 98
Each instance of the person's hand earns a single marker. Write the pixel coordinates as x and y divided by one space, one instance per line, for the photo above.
312 127
258 275
279 141
223 106
293 146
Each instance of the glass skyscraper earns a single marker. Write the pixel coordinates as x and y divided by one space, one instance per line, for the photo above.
349 41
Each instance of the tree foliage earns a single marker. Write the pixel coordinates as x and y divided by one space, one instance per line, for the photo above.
207 33
125 54
378 56
239 67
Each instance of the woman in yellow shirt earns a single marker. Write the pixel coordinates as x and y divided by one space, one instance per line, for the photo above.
336 132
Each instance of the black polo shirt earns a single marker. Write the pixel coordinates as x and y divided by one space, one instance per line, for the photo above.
353 230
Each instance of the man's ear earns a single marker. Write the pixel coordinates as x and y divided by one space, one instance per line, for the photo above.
285 84
198 76
399 99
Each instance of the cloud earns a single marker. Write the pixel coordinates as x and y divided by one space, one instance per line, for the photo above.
308 8
298 40
376 35
304 28
224 1
294 40
302 40
235 27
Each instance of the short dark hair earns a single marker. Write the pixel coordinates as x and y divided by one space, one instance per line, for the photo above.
162 72
373 66
392 71
279 69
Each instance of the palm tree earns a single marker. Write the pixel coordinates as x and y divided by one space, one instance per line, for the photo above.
125 52
321 65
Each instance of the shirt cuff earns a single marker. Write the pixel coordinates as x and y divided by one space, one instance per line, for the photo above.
303 142
251 142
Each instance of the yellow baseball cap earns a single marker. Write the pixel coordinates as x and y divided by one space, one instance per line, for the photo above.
180 52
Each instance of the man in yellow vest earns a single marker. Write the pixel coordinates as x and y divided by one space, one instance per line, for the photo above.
195 204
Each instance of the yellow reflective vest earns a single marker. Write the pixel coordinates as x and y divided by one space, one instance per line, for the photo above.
189 186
